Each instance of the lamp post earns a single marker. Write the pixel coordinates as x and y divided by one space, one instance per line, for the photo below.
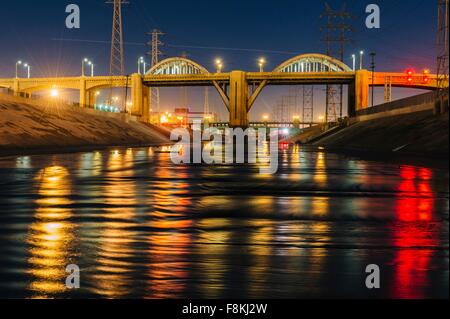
85 60
219 65
92 68
354 62
261 63
142 61
17 68
361 53
28 67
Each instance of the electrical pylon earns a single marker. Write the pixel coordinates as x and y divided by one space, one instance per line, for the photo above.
336 27
116 62
442 46
155 54
308 104
206 106
116 66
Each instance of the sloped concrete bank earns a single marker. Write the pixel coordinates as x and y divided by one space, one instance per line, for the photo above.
420 134
27 128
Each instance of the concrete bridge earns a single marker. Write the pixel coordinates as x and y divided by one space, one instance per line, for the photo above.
238 89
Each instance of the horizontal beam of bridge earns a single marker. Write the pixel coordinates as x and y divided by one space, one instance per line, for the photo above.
272 78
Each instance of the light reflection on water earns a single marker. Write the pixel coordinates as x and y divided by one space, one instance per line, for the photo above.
138 226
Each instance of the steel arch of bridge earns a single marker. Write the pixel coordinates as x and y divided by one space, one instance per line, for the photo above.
305 63
177 66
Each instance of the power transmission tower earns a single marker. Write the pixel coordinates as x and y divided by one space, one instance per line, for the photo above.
155 44
116 62
308 104
442 46
116 66
206 106
336 29
155 54
184 90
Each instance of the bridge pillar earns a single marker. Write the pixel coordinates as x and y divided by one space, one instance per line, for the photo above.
91 99
238 99
145 104
140 97
361 96
16 87
83 93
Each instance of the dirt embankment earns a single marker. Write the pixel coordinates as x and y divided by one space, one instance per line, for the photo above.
28 128
420 133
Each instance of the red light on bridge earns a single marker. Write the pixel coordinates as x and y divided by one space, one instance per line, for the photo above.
409 73
426 77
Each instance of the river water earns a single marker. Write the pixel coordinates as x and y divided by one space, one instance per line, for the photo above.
139 226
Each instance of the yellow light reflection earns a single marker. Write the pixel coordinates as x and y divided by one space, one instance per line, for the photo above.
50 237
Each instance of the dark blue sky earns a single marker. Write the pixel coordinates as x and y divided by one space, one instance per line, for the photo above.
249 29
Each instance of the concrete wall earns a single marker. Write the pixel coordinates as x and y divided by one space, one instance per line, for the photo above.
408 105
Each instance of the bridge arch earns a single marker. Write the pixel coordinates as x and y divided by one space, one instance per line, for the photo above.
177 66
312 63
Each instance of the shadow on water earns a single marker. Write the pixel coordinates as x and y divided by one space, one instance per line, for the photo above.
140 226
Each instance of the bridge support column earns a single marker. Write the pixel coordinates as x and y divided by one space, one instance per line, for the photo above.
83 93
140 97
91 99
145 104
16 87
238 99
361 90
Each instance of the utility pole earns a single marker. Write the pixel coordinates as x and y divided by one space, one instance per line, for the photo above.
372 66
336 28
442 53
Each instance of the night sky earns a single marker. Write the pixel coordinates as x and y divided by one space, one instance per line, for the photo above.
237 31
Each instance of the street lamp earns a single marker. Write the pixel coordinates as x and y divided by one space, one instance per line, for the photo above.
261 63
28 67
85 60
141 61
361 53
92 68
219 65
17 68
354 62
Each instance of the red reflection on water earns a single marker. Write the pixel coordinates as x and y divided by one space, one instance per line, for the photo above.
413 235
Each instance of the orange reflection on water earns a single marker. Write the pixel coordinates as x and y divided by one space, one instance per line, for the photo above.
50 236
413 237
320 173
114 266
168 255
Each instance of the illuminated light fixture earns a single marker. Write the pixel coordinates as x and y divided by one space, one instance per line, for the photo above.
296 117
54 92
261 63
219 65
286 131
164 119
